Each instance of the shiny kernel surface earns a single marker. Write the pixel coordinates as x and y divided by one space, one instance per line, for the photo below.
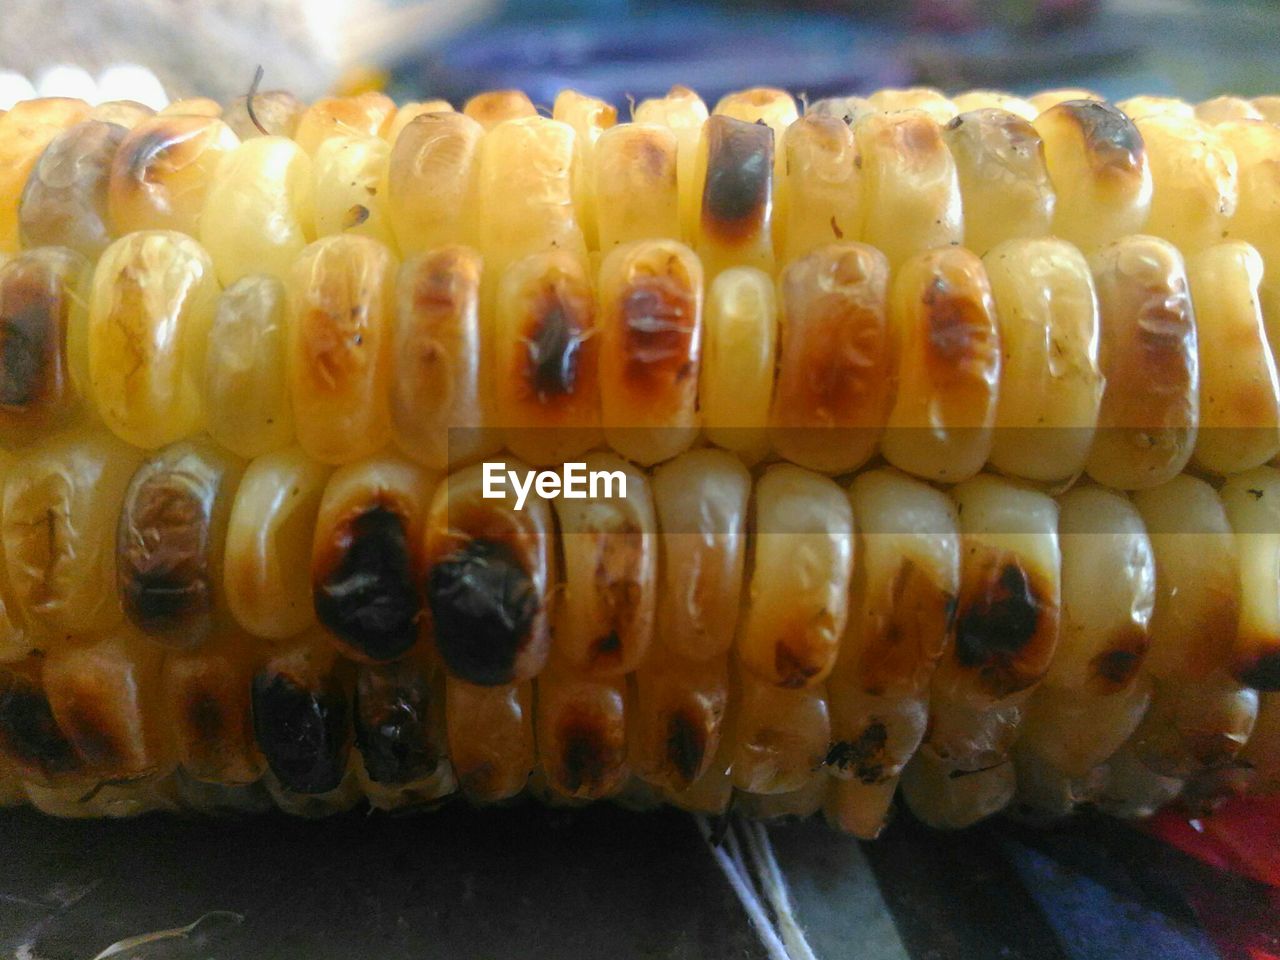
154 296
162 172
767 322
341 296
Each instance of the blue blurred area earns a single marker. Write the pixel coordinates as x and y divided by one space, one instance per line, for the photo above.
627 55
622 49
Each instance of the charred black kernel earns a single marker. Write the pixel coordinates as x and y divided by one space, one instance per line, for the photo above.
686 744
553 350
1262 672
370 599
863 756
587 757
391 723
483 604
29 734
610 645
1001 623
1111 137
1117 665
302 732
736 195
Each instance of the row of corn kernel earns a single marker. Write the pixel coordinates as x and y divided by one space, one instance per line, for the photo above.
491 601
518 193
500 176
1032 359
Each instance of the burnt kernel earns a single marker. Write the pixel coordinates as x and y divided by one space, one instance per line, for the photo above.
29 734
1115 667
483 605
64 203
610 645
302 732
920 135
34 305
1262 672
357 215
92 737
1112 139
736 196
436 287
865 756
650 155
957 328
166 538
794 667
1164 331
1002 621
206 720
833 369
391 723
24 352
686 744
553 351
163 559
369 597
588 755
658 321
995 629
142 156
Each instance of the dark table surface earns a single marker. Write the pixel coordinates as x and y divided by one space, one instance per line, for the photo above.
591 883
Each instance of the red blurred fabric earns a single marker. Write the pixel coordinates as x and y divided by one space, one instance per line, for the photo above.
1242 837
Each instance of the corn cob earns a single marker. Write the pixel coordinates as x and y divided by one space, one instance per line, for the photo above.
252 357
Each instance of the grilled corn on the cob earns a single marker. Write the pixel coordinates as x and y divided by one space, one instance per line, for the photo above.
251 360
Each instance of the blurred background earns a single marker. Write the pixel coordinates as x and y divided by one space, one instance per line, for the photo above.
617 49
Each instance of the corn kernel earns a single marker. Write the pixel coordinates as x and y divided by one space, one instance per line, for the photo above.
341 295
246 398
1004 183
650 337
65 200
832 393
910 186
258 214
154 296
432 182
163 171
948 347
